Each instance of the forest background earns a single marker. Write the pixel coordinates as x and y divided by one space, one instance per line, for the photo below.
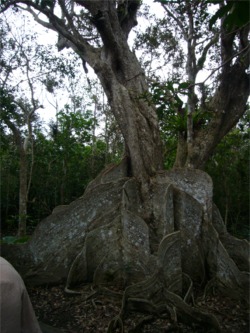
51 164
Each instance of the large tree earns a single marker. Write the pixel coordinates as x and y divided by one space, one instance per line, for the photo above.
135 221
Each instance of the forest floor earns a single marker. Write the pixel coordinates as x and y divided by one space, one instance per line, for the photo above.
92 311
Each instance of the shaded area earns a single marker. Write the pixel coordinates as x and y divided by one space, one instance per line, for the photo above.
92 311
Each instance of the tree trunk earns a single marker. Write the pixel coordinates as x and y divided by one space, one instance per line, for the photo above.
22 193
120 73
182 151
23 178
124 83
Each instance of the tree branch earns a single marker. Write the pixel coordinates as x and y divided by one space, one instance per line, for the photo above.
176 19
223 64
15 131
202 59
35 15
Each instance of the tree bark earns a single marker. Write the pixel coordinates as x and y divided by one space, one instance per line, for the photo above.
227 106
182 151
124 83
23 177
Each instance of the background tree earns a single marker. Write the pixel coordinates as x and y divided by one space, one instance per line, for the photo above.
27 67
66 157
9 175
14 121
230 166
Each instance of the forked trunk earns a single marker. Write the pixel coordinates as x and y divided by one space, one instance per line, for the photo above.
228 103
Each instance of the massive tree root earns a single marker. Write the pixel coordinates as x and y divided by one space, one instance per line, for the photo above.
156 242
156 295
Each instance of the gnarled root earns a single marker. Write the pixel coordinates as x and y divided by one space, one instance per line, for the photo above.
187 314
153 298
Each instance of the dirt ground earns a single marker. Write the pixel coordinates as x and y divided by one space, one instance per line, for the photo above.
92 311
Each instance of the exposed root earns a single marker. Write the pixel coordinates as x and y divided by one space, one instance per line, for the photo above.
188 314
138 299
72 292
209 288
157 294
142 322
95 293
115 324
189 294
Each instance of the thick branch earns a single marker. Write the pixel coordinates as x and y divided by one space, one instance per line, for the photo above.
227 42
15 131
227 106
123 16
202 59
127 15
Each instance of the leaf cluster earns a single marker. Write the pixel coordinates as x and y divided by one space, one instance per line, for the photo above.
235 13
229 169
168 98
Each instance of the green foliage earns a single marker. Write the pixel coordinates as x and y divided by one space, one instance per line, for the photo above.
234 12
9 109
6 101
168 104
9 160
14 240
65 162
229 169
74 126
172 112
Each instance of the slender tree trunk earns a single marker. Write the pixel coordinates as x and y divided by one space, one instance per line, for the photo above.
22 194
7 194
182 151
191 70
23 177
